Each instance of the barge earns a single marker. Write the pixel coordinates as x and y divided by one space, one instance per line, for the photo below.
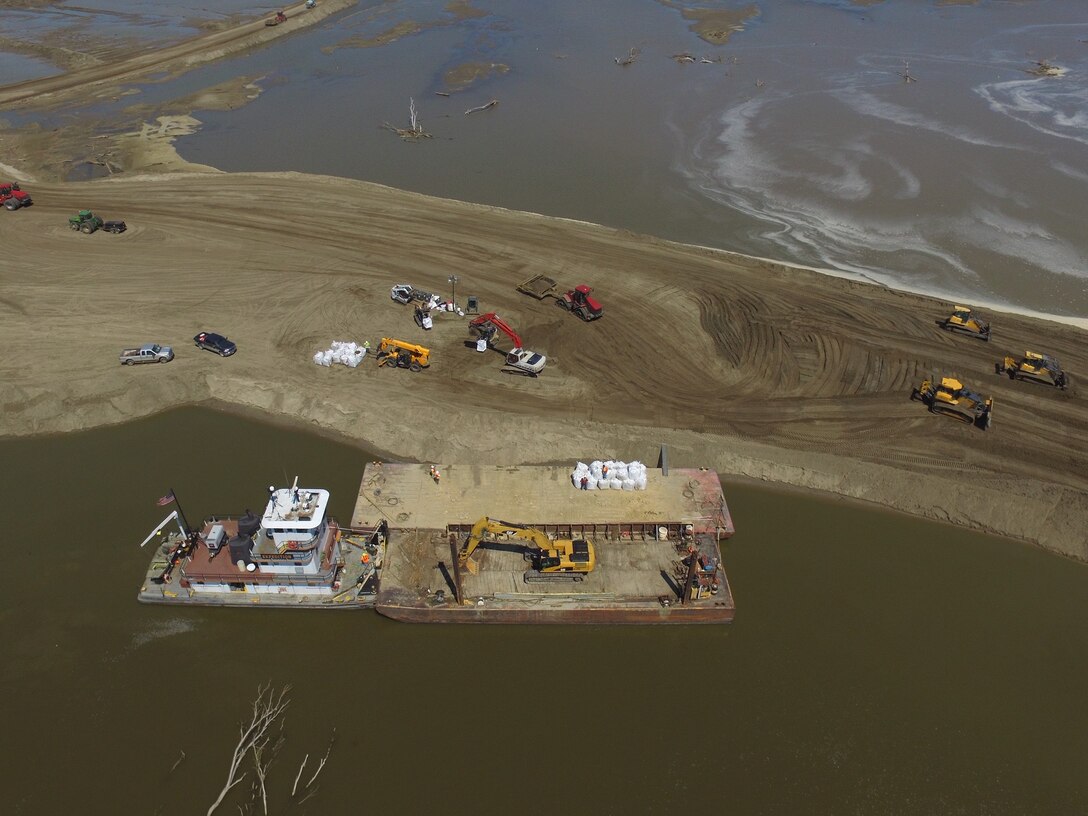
657 550
292 555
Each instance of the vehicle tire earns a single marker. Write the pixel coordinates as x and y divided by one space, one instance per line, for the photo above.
563 304
86 229
415 368
73 226
11 204
163 360
129 362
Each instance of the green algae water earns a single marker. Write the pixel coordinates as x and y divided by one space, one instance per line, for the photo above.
878 664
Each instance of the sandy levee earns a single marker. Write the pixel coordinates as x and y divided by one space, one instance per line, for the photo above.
741 365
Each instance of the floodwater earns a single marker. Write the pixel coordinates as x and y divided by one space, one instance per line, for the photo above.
903 142
878 664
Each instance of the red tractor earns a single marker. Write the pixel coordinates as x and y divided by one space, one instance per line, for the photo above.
582 303
12 197
577 300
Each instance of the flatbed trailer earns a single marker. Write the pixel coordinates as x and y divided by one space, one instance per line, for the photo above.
658 550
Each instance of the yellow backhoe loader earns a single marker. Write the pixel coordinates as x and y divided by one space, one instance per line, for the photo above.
552 560
1034 367
951 398
399 354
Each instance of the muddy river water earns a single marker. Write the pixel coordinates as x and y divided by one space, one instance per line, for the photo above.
877 664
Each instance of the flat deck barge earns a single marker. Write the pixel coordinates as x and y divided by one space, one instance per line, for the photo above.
657 550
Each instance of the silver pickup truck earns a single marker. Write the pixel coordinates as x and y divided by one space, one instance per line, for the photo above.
147 353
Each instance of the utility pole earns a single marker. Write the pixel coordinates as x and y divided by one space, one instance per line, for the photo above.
452 279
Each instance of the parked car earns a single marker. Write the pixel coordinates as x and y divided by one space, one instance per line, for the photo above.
147 353
210 341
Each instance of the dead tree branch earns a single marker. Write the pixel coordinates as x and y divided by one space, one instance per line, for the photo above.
324 759
479 108
267 708
623 62
298 776
415 130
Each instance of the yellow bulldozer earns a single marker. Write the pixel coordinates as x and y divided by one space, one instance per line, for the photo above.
1035 368
558 559
950 397
399 354
962 320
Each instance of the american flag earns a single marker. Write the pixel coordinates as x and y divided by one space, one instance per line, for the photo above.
165 500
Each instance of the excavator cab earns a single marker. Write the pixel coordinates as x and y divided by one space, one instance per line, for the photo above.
952 398
1034 367
962 320
399 354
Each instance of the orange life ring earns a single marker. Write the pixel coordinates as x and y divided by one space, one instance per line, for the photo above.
292 545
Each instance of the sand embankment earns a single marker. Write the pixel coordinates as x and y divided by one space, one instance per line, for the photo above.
748 367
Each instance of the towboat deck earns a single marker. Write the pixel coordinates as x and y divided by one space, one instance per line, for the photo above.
643 540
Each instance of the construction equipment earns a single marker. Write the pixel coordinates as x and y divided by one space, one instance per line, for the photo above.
399 354
962 320
526 362
12 197
578 300
560 559
279 18
85 221
1035 368
952 398
423 318
406 293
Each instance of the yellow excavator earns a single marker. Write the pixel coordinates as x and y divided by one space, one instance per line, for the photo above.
962 320
952 398
552 560
1035 367
399 354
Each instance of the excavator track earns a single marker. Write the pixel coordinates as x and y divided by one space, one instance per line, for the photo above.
537 577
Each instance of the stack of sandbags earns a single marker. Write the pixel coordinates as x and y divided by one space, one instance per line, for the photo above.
610 475
343 352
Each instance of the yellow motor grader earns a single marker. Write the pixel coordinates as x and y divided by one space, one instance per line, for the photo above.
950 397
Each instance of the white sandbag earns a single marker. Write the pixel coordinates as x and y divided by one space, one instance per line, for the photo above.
581 466
640 483
615 484
319 358
628 484
591 484
619 471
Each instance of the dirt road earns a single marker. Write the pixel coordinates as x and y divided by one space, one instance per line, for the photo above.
751 368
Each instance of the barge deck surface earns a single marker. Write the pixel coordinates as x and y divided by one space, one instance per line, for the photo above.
640 572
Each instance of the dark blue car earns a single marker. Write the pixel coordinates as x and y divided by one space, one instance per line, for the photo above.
215 342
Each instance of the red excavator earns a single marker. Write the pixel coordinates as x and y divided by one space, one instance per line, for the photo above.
486 326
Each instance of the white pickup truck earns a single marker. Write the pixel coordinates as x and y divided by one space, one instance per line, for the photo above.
147 353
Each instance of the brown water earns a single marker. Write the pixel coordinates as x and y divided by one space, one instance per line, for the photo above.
878 664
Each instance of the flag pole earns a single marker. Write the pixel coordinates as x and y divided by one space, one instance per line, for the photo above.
184 521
